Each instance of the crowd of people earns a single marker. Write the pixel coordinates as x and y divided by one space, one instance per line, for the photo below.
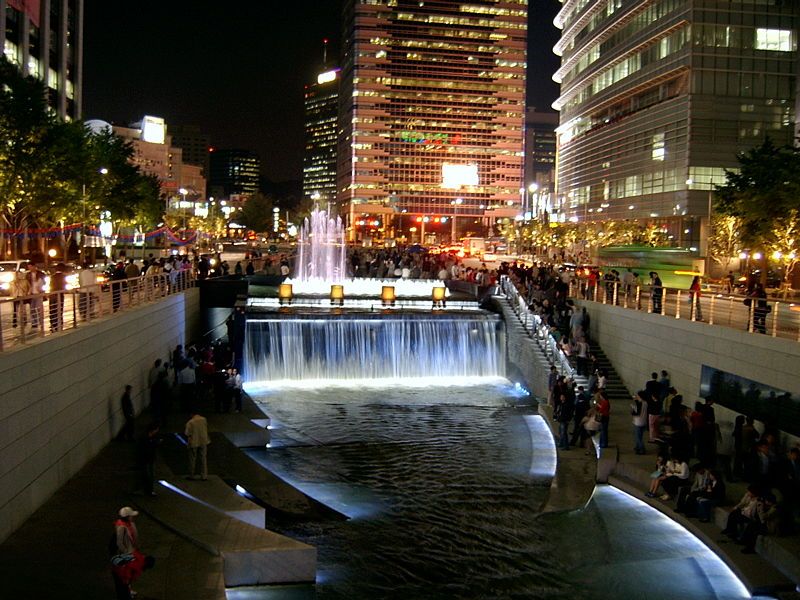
679 434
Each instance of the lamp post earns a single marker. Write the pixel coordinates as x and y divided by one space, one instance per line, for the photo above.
183 192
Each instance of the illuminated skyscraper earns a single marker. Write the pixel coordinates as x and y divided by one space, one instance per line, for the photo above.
321 126
432 115
234 172
657 98
44 38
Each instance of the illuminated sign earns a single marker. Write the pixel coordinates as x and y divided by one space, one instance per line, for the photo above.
154 129
456 176
327 76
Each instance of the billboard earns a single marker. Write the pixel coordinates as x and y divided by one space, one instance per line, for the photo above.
154 129
458 176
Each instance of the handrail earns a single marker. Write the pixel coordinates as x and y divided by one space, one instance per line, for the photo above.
754 315
25 319
536 329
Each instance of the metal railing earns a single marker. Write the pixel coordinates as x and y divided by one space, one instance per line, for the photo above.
27 319
755 315
536 328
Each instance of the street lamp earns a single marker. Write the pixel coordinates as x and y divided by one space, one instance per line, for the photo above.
183 192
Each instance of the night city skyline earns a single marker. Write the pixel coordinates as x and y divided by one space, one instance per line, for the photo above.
239 74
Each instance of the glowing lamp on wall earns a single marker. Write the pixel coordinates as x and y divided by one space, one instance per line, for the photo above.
387 295
285 293
337 295
438 295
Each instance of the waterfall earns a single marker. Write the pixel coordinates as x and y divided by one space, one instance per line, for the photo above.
373 347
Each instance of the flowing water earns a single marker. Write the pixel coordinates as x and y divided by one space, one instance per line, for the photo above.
321 249
437 482
393 347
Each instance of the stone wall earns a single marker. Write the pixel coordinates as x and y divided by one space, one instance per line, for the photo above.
59 398
638 343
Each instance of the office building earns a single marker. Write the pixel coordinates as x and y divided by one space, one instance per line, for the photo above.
155 154
540 161
321 125
657 98
234 171
44 38
431 116
194 143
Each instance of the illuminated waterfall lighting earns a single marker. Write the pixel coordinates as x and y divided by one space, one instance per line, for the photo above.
394 349
403 288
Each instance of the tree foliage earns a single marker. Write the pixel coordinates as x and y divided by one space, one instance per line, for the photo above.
764 195
256 214
54 172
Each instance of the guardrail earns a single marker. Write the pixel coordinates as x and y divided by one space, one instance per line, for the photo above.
754 315
536 328
27 319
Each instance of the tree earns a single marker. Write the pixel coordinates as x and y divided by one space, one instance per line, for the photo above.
725 240
256 214
764 194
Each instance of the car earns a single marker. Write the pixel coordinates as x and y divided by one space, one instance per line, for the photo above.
8 271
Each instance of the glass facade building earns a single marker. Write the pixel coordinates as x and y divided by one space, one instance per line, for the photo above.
44 38
432 112
234 172
321 127
658 97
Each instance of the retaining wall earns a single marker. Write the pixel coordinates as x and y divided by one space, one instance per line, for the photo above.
60 397
638 343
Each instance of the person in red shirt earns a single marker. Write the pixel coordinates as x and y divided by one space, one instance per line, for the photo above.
604 410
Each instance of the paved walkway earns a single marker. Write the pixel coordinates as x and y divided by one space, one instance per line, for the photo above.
61 550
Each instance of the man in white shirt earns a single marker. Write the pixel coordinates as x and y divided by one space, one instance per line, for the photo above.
197 441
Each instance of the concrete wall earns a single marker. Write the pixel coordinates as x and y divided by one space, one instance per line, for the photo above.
59 398
638 343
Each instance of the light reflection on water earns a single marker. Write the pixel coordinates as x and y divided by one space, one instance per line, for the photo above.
438 481
439 484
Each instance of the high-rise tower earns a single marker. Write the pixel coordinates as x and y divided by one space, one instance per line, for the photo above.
321 126
657 98
44 38
432 114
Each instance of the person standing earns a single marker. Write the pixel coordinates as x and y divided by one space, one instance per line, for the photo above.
604 410
117 277
197 441
127 411
20 288
657 291
127 561
55 301
235 383
695 309
565 407
148 445
36 283
639 421
87 280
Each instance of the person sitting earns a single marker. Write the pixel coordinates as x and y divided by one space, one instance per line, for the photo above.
677 476
712 496
764 521
657 476
742 513
687 495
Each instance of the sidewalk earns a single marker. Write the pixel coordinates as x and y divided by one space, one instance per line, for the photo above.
61 550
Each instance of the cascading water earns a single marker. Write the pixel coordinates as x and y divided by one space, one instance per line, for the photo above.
321 249
348 347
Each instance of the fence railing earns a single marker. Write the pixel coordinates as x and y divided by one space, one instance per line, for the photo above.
778 318
27 319
536 328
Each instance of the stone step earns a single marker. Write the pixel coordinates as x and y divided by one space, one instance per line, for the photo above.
217 494
251 555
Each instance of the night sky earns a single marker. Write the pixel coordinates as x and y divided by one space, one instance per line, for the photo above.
237 70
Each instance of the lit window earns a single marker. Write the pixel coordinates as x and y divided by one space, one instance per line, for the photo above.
658 147
780 40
